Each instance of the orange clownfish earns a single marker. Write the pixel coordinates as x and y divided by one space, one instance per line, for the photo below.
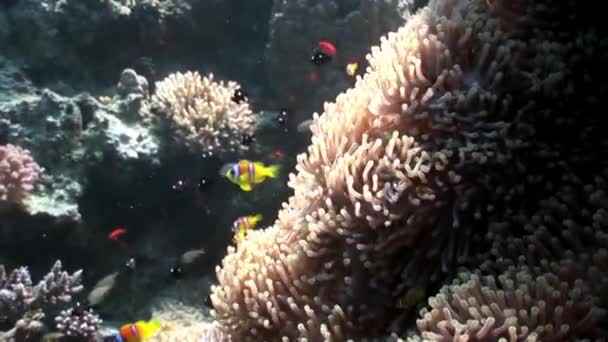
246 173
243 224
138 331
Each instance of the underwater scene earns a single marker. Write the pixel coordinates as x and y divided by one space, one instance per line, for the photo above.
303 170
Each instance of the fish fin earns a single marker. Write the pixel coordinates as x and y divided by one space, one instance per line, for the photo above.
257 218
272 171
246 187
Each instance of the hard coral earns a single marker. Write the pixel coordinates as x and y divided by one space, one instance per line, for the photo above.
18 174
77 324
457 127
202 112
22 302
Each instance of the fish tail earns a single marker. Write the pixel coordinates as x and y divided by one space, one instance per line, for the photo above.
272 171
256 218
154 323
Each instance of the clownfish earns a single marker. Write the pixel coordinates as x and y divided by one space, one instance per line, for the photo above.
138 331
246 173
243 224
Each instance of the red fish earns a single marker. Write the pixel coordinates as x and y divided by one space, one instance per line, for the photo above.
328 47
116 234
278 154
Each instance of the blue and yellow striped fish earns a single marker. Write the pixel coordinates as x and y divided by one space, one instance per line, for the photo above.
243 224
247 174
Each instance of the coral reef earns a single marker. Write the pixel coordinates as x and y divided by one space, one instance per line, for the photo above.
296 27
455 129
53 37
203 113
78 325
18 174
474 141
68 135
23 304
132 83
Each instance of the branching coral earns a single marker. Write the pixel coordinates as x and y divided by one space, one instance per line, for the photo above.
76 324
456 125
18 174
203 113
22 303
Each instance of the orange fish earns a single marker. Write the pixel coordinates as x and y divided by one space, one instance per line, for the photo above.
246 174
138 331
242 225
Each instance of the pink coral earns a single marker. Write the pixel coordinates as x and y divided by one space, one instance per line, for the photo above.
18 174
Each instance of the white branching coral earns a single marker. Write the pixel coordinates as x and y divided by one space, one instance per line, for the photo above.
203 113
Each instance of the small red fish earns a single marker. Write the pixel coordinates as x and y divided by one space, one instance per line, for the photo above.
278 154
116 234
328 47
